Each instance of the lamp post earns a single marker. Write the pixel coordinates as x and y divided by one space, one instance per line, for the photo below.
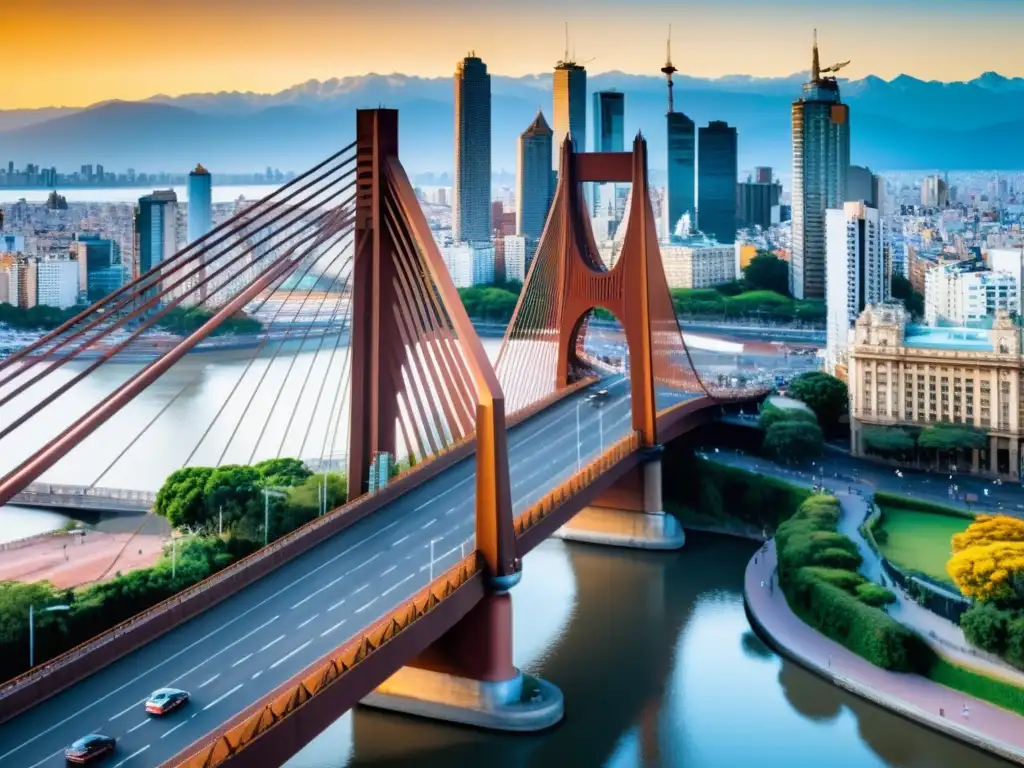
267 493
32 629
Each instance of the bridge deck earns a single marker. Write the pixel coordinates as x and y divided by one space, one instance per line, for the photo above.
238 651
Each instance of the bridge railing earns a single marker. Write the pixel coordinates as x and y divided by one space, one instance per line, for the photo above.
289 697
105 494
577 482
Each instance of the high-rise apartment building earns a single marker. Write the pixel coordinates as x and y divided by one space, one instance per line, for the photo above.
864 186
964 294
682 157
200 203
95 256
821 156
515 248
855 272
934 192
57 282
609 136
570 108
534 179
156 230
471 196
717 171
756 198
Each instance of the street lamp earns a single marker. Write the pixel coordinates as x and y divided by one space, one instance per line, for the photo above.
432 543
32 629
267 493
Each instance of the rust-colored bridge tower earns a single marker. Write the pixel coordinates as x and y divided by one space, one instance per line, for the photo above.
418 366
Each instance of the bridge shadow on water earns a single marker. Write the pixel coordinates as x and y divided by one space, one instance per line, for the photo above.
659 668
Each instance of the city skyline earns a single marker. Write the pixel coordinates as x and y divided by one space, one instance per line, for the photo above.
114 59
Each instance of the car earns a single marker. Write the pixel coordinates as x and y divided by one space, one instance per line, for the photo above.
165 700
90 748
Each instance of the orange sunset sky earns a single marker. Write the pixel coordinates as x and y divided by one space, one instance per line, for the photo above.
77 52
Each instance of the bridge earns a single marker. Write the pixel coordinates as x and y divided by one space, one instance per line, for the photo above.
400 598
75 498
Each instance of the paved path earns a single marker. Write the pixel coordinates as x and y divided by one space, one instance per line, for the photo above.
963 717
942 635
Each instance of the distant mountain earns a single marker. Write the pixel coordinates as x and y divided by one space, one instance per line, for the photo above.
898 124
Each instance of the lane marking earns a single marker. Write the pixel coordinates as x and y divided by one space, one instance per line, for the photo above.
47 759
330 584
363 608
331 629
427 525
210 680
122 712
389 570
396 543
256 675
135 728
391 589
336 605
168 733
132 756
221 698
359 590
307 621
243 659
287 656
272 642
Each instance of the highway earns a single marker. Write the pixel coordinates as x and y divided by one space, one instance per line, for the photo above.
240 650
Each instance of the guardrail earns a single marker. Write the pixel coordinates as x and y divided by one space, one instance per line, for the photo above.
616 453
289 698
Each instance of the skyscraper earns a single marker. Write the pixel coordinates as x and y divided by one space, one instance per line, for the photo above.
821 156
682 154
534 187
757 198
570 107
863 185
856 272
200 203
471 196
609 133
156 224
717 169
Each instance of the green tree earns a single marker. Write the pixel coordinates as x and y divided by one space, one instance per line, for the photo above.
900 288
237 490
793 440
985 626
771 414
283 472
826 395
182 497
767 272
952 437
888 441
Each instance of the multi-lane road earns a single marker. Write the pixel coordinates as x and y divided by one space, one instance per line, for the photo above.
240 650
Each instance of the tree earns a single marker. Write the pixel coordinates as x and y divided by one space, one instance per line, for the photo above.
826 395
767 272
888 441
989 529
952 437
990 571
771 414
985 626
238 490
900 288
182 497
283 472
793 440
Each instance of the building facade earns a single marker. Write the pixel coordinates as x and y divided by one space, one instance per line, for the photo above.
960 294
855 273
609 136
469 264
515 257
534 179
756 199
821 156
699 264
57 282
863 185
717 177
200 203
934 192
471 195
569 108
682 168
156 230
905 376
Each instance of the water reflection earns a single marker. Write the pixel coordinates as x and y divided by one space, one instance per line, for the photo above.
659 668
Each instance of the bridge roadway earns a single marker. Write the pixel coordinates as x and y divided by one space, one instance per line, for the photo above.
240 650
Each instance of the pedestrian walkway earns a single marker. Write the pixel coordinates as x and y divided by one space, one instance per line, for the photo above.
963 717
944 637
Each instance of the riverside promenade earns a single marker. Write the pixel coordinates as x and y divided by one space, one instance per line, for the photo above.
962 717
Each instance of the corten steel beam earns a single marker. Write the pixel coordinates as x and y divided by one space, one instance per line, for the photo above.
57 448
376 378
604 167
495 534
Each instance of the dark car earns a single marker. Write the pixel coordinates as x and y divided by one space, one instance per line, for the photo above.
90 748
165 700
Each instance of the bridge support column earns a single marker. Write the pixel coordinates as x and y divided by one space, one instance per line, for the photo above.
630 514
467 677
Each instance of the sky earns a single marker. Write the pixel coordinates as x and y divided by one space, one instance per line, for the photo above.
75 52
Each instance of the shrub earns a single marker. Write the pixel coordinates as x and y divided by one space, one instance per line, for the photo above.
985 626
842 607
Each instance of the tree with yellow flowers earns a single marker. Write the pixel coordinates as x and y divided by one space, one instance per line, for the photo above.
988 559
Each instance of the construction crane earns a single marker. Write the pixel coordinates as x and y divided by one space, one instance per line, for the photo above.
835 67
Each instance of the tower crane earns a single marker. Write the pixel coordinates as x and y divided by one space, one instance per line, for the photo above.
835 67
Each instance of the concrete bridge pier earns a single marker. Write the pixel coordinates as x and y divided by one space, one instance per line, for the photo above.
467 677
630 514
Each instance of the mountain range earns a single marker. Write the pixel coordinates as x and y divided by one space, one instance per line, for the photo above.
903 123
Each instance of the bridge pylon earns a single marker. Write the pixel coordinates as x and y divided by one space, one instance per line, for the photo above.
418 367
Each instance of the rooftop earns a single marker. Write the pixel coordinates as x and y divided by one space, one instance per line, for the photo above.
966 339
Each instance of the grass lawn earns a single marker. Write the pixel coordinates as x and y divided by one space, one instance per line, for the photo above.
920 541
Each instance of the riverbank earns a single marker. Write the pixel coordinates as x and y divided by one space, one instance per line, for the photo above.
87 556
961 717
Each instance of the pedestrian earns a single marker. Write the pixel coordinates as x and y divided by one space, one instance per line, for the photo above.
830 661
967 712
65 551
942 712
